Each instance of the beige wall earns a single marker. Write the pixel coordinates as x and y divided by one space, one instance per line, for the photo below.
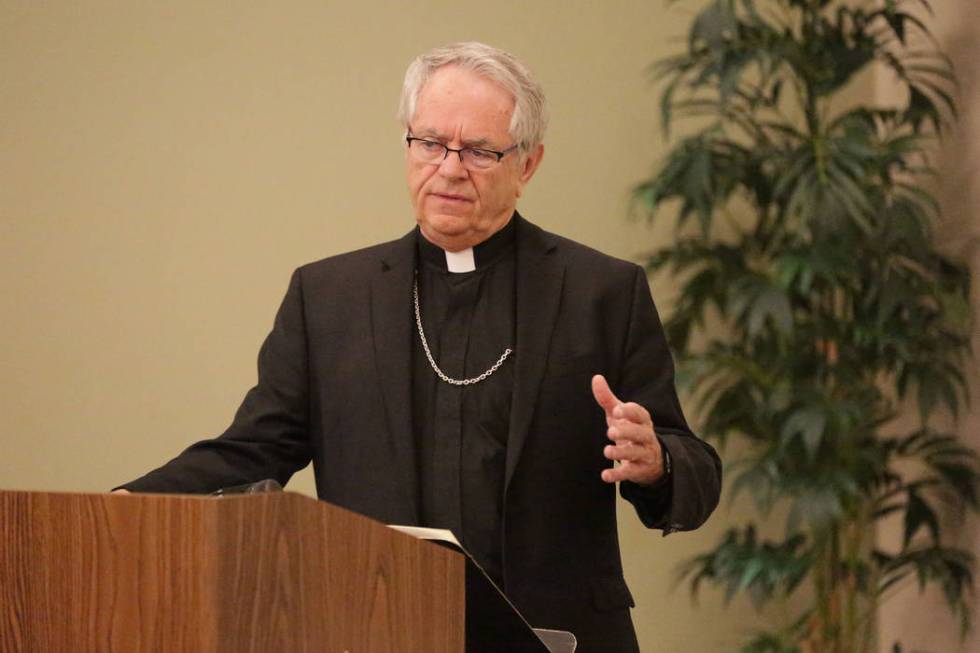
165 165
923 623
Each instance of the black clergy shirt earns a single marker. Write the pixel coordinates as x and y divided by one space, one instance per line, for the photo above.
461 431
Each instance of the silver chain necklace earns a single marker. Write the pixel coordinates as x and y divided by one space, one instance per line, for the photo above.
428 354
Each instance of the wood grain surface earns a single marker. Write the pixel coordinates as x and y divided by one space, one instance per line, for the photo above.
261 573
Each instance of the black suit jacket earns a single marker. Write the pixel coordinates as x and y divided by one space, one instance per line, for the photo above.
335 387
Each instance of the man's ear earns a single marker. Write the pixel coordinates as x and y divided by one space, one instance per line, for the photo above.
529 166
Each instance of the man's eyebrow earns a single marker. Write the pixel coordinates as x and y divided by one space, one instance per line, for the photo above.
443 138
479 142
427 133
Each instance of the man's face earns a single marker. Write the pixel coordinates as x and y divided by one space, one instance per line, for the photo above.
458 208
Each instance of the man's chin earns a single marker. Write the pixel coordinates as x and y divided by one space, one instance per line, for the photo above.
446 223
449 232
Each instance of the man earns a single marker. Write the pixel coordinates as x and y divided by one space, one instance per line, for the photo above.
461 377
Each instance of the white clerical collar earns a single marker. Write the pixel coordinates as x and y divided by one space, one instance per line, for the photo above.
482 254
461 261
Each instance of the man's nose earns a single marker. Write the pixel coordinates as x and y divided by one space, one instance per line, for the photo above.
452 165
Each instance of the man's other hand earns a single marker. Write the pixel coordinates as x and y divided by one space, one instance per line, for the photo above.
636 447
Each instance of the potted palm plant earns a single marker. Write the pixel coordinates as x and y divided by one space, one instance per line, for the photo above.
814 310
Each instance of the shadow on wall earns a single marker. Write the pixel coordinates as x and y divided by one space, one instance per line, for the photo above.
959 159
958 184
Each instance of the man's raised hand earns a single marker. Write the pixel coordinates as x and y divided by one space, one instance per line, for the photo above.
635 445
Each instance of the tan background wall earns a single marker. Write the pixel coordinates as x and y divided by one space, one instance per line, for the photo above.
924 623
164 167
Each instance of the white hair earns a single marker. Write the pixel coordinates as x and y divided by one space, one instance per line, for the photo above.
530 117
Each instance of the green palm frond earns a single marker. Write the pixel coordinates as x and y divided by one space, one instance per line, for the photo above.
813 304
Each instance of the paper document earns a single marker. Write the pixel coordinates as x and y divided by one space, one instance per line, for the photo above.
437 534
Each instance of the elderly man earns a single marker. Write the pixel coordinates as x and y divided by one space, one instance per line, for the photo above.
463 376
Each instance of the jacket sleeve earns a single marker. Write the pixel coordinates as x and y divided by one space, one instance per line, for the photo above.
685 499
269 435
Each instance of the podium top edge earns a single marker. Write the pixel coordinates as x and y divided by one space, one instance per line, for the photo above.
154 495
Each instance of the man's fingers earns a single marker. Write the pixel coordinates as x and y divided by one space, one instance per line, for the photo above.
634 413
616 474
622 431
622 452
635 448
603 395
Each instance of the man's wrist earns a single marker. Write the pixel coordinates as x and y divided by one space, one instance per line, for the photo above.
668 470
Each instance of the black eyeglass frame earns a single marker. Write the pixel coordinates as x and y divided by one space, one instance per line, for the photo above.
500 155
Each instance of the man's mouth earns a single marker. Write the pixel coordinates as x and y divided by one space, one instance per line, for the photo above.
451 197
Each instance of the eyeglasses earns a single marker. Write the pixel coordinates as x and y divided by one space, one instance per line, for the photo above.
472 158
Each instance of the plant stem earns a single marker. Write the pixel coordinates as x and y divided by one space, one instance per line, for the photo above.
854 548
834 563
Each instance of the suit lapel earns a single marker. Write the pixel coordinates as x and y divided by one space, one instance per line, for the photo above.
540 275
391 325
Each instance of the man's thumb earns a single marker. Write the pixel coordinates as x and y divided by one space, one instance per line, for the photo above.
603 395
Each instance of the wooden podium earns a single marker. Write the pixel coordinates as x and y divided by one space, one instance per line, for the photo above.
99 573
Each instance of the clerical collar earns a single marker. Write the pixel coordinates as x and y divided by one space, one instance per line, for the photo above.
474 258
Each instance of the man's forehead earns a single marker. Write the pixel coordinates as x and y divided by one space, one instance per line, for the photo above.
461 103
426 131
463 77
